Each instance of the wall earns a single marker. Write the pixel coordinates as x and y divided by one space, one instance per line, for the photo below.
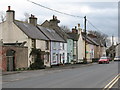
69 50
10 33
55 50
58 54
80 48
118 50
21 59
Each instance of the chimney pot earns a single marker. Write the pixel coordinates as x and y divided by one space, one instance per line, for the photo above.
53 17
78 25
8 7
75 27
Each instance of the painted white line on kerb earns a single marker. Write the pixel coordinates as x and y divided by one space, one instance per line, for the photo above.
109 85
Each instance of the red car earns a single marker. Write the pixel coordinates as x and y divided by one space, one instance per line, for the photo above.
104 60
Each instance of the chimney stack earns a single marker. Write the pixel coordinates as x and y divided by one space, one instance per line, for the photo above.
10 15
74 30
54 21
33 20
9 8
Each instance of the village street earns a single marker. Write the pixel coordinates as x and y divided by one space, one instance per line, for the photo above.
89 76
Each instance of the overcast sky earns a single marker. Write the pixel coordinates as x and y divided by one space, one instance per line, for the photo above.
103 15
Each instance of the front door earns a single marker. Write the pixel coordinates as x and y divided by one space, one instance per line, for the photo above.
10 63
10 54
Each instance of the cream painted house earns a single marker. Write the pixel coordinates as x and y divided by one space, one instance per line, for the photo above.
14 31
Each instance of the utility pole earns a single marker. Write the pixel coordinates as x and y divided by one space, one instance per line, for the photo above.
85 59
112 40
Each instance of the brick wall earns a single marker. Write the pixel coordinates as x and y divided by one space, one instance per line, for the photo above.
21 56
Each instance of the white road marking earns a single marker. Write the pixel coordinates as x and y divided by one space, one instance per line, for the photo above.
110 84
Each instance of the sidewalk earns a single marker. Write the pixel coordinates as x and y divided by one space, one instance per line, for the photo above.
68 66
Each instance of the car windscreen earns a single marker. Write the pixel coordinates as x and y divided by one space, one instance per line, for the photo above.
103 58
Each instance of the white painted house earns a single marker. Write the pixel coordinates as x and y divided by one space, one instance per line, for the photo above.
53 25
14 31
57 47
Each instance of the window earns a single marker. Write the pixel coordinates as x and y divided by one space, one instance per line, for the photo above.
47 45
33 43
54 57
47 57
74 44
63 57
63 46
54 45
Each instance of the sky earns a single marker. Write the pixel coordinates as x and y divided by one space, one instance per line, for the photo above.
103 14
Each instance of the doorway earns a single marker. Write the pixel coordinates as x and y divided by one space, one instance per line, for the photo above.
10 54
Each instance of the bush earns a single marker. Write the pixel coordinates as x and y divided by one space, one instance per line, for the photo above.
38 64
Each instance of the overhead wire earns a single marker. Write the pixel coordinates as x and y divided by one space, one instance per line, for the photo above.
63 13
54 10
95 27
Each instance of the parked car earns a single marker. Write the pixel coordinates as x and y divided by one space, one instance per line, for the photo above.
104 60
117 58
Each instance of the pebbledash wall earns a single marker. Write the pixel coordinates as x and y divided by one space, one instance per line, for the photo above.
20 57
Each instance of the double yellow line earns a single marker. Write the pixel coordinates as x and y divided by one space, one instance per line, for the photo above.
109 85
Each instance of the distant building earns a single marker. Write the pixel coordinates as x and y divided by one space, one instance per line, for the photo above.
117 49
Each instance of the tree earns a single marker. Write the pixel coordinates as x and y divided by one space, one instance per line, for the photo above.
65 28
26 16
38 62
2 16
103 38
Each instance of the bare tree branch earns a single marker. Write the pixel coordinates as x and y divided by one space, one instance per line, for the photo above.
65 28
2 16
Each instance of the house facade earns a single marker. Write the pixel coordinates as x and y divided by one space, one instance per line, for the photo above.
70 49
57 54
14 31
13 57
53 24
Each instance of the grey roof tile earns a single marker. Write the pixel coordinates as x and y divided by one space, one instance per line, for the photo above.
30 30
51 34
73 36
90 40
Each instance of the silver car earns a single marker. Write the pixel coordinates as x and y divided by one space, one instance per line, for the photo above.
117 58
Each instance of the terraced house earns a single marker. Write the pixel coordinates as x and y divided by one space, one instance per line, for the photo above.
53 24
14 31
51 45
22 43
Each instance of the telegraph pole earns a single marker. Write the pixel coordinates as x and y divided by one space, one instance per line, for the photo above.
112 40
85 59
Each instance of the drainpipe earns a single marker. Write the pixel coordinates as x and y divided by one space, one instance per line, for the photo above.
50 54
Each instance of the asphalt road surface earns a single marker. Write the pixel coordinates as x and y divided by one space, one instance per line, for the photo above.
91 76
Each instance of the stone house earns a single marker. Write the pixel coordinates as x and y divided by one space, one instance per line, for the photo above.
100 48
117 50
14 31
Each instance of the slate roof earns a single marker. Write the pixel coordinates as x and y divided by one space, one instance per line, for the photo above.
90 40
73 36
57 29
31 30
51 34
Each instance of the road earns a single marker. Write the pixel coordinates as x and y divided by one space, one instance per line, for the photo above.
91 76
